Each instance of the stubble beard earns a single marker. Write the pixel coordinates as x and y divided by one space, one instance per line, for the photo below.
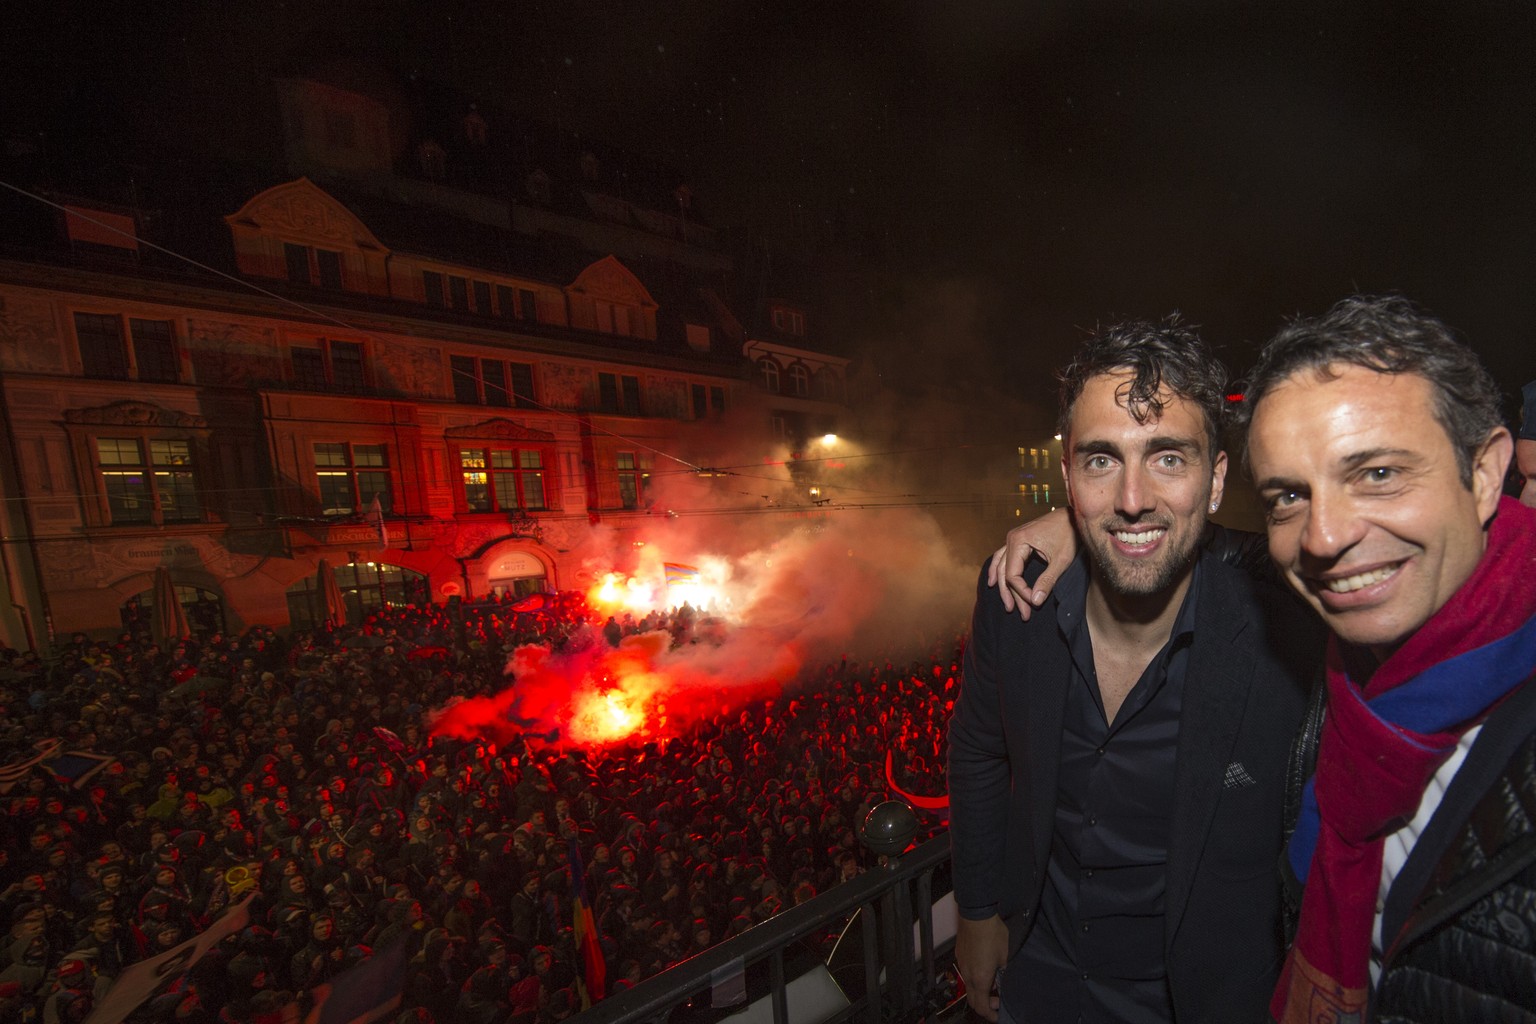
1141 577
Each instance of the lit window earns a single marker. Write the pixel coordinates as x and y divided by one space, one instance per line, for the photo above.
163 489
632 480
350 476
502 479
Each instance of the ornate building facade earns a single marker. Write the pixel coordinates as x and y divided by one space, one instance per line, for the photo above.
437 391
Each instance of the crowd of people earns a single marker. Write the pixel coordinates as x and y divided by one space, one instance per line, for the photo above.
152 788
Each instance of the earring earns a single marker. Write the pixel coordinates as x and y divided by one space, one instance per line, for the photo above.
1213 506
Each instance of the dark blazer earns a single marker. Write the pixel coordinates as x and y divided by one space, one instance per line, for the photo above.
1254 652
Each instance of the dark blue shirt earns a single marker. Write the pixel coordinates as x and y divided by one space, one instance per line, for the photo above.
1096 953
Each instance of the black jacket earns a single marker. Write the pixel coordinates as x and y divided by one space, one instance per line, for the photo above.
1459 927
1254 649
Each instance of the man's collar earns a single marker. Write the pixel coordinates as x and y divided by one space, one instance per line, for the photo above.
1071 594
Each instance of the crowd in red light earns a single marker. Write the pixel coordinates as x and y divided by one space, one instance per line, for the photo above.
303 770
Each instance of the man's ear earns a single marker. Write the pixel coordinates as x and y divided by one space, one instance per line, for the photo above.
1218 479
1489 464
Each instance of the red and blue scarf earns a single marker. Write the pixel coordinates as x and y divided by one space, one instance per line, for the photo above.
1381 744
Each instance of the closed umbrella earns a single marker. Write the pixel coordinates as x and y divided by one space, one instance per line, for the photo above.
170 623
333 608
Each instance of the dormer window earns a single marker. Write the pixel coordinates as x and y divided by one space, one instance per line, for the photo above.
788 321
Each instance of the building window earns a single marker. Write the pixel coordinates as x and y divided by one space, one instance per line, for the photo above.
329 265
162 489
154 349
768 374
618 393
102 352
297 257
105 352
516 303
502 479
458 292
483 298
707 401
799 380
491 382
350 476
308 265
466 379
366 587
614 319
328 365
826 385
522 385
632 480
432 286
789 321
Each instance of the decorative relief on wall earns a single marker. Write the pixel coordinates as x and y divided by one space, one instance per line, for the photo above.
302 208
29 340
610 279
472 538
233 354
410 369
67 565
499 430
667 396
565 386
134 414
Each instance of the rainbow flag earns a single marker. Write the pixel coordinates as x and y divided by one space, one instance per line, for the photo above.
594 973
679 573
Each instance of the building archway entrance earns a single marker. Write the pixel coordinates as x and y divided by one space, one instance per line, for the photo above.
518 573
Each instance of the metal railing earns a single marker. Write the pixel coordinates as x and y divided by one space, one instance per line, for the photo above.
896 984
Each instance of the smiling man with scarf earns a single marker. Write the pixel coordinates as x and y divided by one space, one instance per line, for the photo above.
1376 443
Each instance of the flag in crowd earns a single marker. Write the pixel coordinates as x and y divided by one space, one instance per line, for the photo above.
376 518
363 993
141 980
594 969
676 572
73 768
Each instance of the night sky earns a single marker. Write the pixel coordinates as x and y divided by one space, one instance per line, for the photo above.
1015 171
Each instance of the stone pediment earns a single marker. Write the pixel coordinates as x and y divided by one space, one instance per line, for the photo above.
612 280
498 430
301 209
135 414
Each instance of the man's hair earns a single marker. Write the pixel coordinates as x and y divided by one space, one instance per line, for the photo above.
1387 334
1165 354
